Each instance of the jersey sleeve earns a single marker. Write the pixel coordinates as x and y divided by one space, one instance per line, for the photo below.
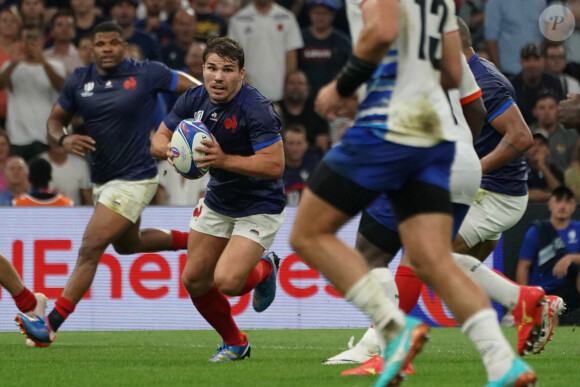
162 77
294 38
496 97
468 89
67 99
265 126
179 111
529 248
451 22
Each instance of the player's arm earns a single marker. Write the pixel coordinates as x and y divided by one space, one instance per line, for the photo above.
450 61
474 113
569 111
160 142
517 138
86 197
184 82
523 271
561 267
73 143
267 163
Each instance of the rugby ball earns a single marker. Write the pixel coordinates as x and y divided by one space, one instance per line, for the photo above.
186 137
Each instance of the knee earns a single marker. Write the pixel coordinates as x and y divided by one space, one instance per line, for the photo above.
228 284
194 286
299 240
91 251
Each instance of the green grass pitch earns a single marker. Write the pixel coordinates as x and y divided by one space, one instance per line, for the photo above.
279 358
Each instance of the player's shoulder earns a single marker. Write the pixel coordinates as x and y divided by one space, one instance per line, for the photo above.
253 104
81 73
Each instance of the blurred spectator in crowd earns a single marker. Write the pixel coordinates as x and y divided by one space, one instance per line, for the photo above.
33 84
194 60
300 163
555 61
10 25
572 43
86 17
271 37
32 13
39 177
86 50
70 175
152 23
563 142
209 23
543 177
63 50
509 25
325 49
176 190
569 112
16 175
227 8
549 256
124 12
173 54
473 13
533 81
297 107
170 8
4 154
554 54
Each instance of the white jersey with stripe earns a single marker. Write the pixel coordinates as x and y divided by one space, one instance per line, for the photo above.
404 101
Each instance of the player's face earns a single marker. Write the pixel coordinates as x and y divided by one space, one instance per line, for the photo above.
222 78
561 209
108 50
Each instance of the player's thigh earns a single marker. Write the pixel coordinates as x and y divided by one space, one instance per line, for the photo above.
104 227
203 253
490 215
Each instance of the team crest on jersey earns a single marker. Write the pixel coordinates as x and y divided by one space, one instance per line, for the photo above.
213 116
88 89
130 84
231 124
198 115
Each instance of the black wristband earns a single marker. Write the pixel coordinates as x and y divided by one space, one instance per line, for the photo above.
354 73
61 139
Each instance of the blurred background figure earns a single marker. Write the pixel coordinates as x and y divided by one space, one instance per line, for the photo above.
153 24
70 175
209 23
325 48
16 176
299 162
176 190
543 177
4 154
194 60
226 8
85 49
40 174
554 54
32 13
473 14
63 50
86 16
10 24
297 107
184 27
33 83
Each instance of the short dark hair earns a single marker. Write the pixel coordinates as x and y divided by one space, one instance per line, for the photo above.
464 33
63 12
40 173
107 26
296 128
226 48
563 192
546 94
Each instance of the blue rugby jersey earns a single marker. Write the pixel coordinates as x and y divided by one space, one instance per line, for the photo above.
118 110
242 126
498 95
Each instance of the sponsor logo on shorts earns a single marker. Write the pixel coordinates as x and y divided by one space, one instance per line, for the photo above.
255 231
117 202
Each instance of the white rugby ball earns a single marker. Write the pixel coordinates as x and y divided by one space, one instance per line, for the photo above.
186 137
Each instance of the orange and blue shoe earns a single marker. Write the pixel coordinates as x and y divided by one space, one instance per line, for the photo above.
520 375
36 328
553 307
265 291
401 351
231 352
528 317
373 366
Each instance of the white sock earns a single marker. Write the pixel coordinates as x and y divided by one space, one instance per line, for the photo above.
370 340
497 288
483 330
387 281
368 294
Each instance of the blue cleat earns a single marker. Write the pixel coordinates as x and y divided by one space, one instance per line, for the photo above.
36 328
231 352
402 350
265 292
520 375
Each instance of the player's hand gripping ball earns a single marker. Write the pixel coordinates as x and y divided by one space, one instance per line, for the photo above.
187 136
